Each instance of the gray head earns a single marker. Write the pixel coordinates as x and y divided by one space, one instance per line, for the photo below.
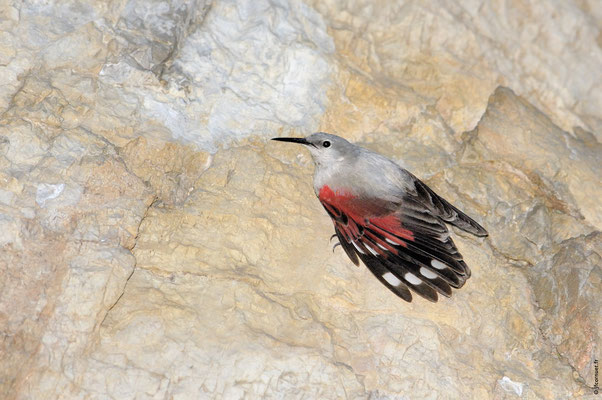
326 149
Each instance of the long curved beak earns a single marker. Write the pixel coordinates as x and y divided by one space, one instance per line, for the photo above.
292 139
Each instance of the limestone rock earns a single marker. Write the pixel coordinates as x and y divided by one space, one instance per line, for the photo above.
454 53
156 245
566 167
566 283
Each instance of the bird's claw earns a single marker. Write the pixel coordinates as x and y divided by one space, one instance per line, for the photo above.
335 246
332 237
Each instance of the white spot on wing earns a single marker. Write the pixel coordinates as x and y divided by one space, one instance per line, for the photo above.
371 250
357 247
438 264
427 273
392 242
382 247
413 279
391 279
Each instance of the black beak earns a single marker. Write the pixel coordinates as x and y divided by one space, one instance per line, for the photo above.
293 140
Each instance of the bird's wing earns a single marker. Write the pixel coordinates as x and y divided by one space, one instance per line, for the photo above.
446 211
406 246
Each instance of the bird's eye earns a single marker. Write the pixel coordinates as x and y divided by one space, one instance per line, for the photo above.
326 143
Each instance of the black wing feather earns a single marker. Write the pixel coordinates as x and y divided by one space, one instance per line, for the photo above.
428 263
448 212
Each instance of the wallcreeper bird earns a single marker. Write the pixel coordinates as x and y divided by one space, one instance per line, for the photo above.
388 218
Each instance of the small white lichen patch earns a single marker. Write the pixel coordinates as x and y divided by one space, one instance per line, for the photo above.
510 386
47 191
9 231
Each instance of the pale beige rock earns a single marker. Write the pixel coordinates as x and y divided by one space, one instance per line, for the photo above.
76 215
566 285
454 53
155 245
566 167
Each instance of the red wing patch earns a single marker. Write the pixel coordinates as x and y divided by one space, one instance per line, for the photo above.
352 216
399 247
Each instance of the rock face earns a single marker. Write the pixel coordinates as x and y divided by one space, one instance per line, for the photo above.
156 245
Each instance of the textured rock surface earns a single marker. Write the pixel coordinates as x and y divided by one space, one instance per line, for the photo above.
155 245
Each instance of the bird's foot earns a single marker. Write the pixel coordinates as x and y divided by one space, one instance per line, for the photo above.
335 246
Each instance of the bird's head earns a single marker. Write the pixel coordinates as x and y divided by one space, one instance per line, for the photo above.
325 149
